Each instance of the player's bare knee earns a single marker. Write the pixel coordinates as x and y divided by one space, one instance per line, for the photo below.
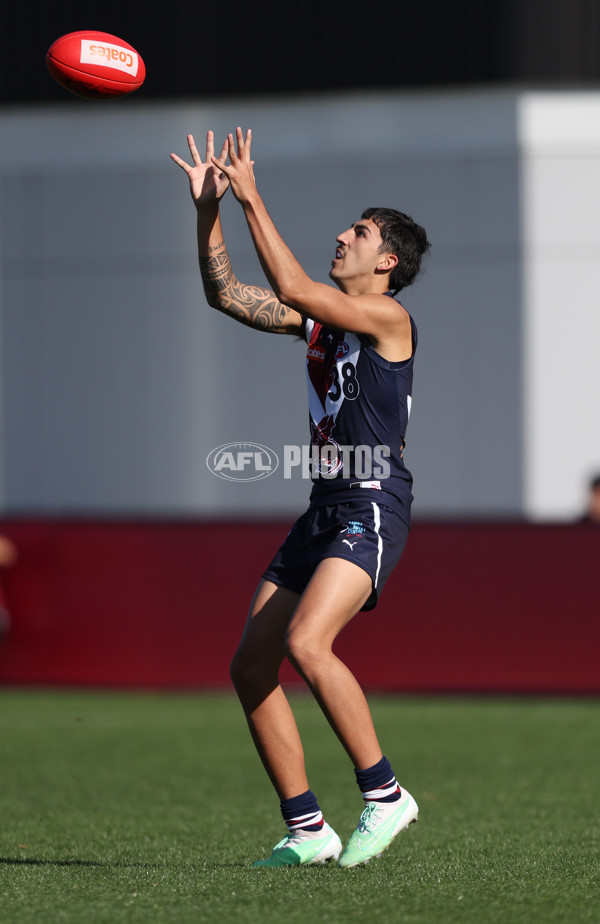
240 669
303 652
249 673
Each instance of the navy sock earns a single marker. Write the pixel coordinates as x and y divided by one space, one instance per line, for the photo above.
378 783
302 812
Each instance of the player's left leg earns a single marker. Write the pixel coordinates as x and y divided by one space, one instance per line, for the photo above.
335 593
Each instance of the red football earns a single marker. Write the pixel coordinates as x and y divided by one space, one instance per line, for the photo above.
95 64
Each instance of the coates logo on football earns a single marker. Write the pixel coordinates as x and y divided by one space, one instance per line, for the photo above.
123 59
242 462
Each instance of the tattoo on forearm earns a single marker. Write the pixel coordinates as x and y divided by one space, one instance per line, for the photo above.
251 305
216 272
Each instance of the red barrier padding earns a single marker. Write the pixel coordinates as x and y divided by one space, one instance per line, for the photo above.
510 608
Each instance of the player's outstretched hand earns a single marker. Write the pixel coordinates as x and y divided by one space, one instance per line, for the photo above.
208 183
239 171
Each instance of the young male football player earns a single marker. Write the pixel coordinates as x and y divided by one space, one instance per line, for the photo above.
337 557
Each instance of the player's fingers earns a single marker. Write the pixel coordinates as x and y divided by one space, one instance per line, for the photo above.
210 145
231 148
181 163
194 150
220 164
243 143
223 154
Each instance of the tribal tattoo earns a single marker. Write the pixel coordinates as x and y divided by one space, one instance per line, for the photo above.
252 305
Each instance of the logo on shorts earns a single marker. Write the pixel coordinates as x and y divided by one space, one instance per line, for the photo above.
242 461
354 529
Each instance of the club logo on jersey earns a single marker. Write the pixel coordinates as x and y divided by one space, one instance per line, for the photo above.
327 460
242 461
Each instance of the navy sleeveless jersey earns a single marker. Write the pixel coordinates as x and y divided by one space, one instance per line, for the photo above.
359 405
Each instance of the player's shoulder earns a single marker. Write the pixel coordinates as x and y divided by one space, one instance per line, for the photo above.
386 300
395 335
391 310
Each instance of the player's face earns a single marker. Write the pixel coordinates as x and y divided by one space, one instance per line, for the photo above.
357 251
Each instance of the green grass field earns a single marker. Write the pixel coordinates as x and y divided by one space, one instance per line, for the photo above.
151 808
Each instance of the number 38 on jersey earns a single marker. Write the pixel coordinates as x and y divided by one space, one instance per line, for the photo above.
344 382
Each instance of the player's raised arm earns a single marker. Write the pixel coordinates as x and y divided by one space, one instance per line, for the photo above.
361 269
251 305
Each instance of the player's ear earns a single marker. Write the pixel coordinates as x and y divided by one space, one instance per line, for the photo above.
387 262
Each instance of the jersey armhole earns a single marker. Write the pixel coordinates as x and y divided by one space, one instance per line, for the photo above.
308 326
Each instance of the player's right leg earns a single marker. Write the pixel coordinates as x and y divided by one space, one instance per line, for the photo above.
255 675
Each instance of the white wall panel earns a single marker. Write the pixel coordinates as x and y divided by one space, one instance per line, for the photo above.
560 135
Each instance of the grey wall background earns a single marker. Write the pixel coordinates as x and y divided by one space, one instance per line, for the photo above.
118 380
480 119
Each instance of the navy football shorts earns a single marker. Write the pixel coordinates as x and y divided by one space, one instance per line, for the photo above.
364 532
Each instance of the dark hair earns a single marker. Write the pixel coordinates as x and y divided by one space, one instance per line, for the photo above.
403 237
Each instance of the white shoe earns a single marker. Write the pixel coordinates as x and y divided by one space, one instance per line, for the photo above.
379 824
303 847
